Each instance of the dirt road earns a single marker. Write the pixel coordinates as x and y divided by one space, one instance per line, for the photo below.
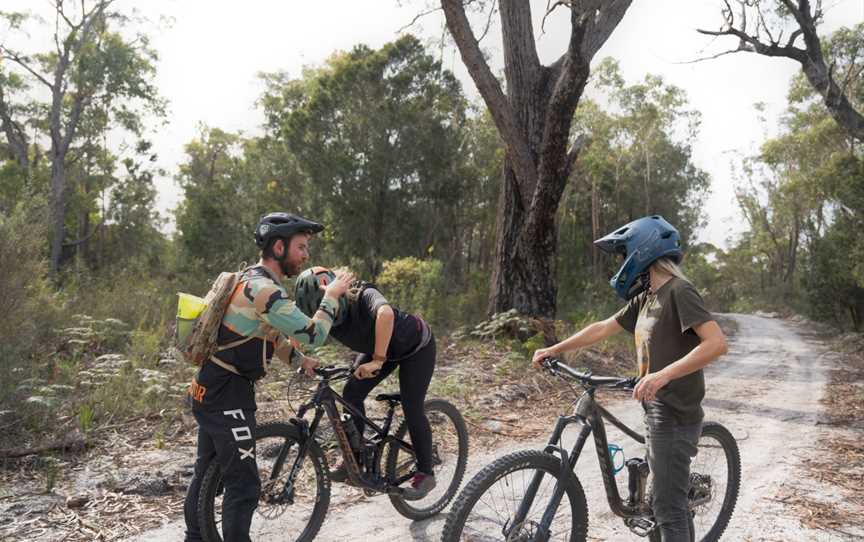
766 390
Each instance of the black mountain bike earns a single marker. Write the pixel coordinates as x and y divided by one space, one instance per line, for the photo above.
536 496
295 486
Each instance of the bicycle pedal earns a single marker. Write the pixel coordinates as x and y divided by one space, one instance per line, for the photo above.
641 526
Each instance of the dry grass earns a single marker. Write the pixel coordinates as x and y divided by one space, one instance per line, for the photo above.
492 384
842 466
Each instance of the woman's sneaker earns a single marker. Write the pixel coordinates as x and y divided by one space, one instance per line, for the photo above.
421 485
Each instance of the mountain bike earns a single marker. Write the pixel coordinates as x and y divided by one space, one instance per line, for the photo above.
293 467
535 495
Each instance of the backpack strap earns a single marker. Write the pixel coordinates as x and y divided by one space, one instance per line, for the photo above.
224 365
243 276
232 344
227 366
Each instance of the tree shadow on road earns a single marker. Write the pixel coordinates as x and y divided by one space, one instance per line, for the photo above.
763 411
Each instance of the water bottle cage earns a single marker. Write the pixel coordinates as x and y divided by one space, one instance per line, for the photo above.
615 452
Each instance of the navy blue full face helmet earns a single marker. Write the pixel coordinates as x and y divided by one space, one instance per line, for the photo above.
640 242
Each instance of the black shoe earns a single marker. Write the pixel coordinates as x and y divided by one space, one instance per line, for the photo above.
421 485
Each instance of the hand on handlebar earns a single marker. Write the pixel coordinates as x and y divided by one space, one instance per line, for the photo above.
368 370
649 385
308 365
540 355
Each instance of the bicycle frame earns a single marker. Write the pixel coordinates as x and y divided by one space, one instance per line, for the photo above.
590 415
324 402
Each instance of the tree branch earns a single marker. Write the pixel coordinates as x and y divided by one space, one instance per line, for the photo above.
581 142
490 89
550 7
417 18
794 36
82 95
84 239
23 62
488 24
750 44
606 16
14 133
712 57
73 441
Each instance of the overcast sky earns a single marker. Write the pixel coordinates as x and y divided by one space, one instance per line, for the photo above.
212 51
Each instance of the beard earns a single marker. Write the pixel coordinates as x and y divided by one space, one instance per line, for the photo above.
289 269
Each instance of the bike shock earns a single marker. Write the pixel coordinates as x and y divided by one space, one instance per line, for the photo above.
637 470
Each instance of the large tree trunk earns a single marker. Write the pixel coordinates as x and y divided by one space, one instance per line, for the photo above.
523 274
534 120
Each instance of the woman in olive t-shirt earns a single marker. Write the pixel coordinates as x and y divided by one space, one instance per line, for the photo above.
675 338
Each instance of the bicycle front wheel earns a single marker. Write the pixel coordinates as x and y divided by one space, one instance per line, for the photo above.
294 517
449 459
487 507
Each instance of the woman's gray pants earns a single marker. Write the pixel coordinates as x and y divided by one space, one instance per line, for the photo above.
671 446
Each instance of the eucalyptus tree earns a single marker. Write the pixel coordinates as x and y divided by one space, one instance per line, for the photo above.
803 199
638 161
534 117
760 25
92 65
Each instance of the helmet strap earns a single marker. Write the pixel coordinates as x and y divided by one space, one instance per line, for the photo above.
645 281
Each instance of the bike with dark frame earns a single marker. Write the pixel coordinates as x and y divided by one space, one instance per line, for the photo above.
535 495
294 468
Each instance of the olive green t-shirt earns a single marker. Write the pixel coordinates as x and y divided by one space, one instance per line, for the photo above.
662 323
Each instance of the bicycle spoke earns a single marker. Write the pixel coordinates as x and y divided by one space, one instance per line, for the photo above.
709 474
445 453
493 516
271 504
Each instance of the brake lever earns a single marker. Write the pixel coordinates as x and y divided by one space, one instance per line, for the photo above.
627 384
549 365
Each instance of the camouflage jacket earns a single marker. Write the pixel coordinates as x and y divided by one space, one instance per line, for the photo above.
259 308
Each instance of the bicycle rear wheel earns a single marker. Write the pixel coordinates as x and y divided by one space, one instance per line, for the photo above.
305 507
715 478
486 508
449 459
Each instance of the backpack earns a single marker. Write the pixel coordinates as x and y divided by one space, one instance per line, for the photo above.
197 328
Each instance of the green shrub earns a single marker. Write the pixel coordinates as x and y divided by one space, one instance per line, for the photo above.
31 312
416 286
128 293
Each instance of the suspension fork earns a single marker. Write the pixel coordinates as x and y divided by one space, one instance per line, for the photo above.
306 431
567 465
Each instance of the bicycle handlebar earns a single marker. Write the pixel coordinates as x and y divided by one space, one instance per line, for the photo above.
556 366
329 372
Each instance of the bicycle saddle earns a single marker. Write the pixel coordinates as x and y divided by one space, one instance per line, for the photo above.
389 397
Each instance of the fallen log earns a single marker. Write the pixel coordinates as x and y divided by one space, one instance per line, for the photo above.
74 441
